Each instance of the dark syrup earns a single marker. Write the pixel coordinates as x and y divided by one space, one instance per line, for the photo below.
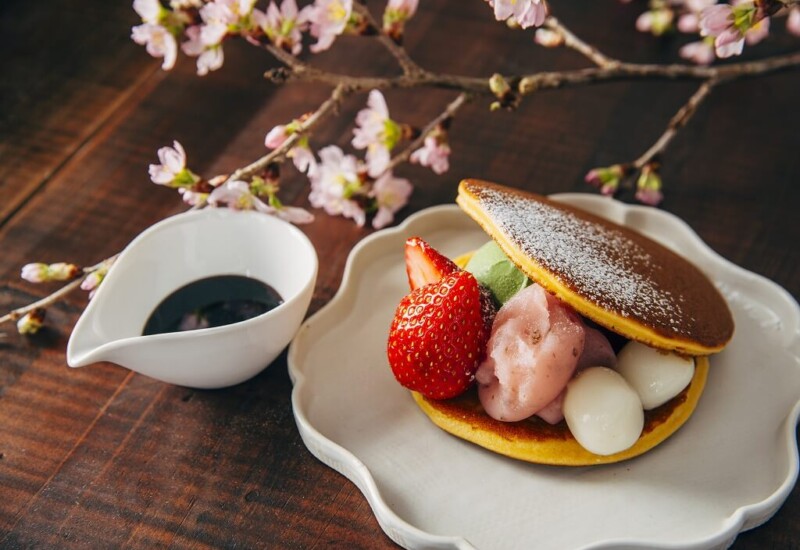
212 302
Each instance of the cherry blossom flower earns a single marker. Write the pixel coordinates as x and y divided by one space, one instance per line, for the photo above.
335 183
376 132
328 20
209 58
396 14
390 195
41 272
435 154
158 42
284 26
700 52
729 24
31 322
793 21
526 13
238 194
172 171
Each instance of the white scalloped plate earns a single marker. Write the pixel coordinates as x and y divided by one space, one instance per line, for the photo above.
727 470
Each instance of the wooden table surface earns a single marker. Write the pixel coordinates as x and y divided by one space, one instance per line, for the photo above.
102 457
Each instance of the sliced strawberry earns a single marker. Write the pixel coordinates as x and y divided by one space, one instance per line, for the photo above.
424 264
438 336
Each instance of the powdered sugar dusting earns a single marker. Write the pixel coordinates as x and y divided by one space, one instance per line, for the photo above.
602 263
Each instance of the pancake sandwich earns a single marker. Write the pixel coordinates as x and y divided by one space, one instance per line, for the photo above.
567 339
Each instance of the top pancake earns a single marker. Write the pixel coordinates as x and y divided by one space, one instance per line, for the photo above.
611 274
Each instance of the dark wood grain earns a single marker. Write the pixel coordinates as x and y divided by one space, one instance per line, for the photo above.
101 457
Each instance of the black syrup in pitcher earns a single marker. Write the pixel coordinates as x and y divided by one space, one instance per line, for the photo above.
212 302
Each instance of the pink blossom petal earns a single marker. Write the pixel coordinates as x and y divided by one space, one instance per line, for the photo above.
689 23
160 175
295 215
699 52
391 194
213 33
793 21
758 32
716 19
729 43
303 160
193 46
148 10
433 154
158 42
210 60
378 158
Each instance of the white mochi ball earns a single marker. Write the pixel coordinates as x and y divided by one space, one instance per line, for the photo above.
657 376
602 411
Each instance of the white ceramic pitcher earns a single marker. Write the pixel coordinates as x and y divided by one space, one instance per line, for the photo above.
183 249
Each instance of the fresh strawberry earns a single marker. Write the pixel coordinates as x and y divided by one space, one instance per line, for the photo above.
424 264
438 336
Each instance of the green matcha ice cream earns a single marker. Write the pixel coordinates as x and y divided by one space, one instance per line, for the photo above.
494 270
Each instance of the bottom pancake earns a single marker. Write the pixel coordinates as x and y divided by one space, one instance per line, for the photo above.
534 440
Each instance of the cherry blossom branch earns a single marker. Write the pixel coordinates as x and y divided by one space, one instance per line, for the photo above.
415 144
574 42
325 109
677 122
635 71
16 314
528 84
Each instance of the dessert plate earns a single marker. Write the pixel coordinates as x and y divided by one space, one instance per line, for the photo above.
727 470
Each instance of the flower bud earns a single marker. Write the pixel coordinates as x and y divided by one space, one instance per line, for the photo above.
648 186
276 137
41 273
34 273
657 21
93 279
548 38
605 176
31 322
499 86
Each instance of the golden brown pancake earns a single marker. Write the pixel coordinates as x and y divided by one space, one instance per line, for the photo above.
616 277
611 274
534 440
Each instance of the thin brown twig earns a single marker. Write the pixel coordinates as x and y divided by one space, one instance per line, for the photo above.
408 65
415 144
677 122
572 41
